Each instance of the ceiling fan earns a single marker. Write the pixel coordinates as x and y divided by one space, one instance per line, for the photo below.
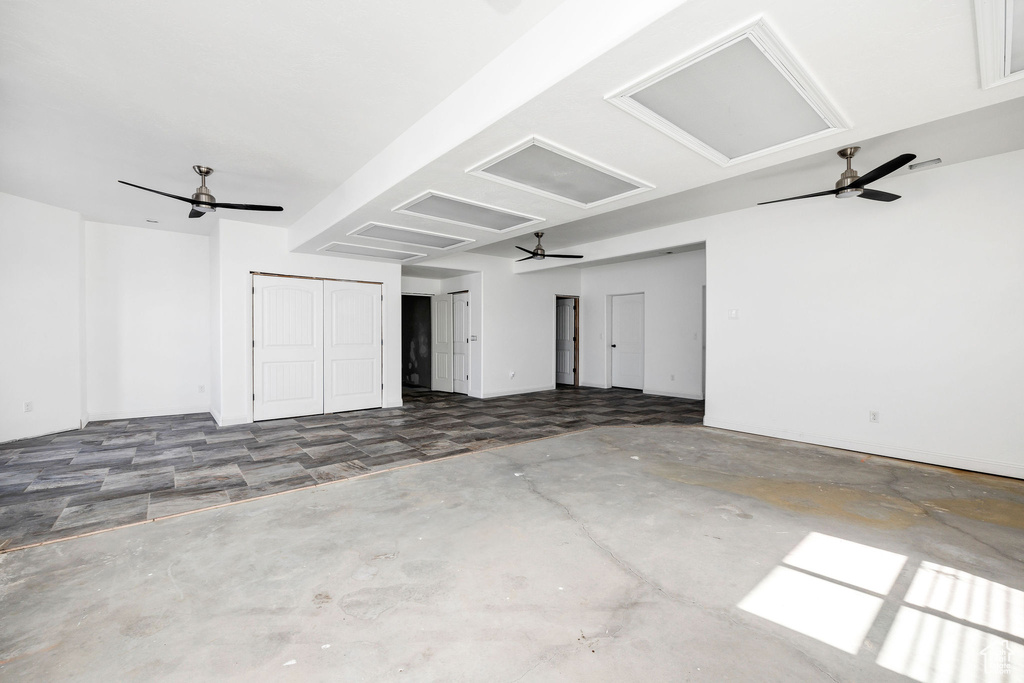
852 185
202 201
539 253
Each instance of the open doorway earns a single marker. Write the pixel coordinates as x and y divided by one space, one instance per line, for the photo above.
416 370
567 340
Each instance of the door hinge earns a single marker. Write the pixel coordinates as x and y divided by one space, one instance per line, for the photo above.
254 397
254 343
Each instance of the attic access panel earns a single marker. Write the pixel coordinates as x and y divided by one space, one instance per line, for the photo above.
545 169
419 238
464 212
741 98
372 252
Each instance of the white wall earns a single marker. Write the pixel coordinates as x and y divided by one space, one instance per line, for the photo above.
215 351
914 309
513 317
245 247
40 317
420 285
147 322
673 312
519 326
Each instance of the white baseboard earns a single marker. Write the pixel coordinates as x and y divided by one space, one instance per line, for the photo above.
151 412
513 392
674 394
998 467
231 421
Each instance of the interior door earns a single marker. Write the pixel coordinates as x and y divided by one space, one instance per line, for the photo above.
460 342
565 341
287 321
627 341
441 344
352 346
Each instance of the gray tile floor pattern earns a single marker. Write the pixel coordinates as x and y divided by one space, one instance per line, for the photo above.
125 471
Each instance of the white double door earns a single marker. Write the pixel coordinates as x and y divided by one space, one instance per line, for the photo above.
316 346
450 347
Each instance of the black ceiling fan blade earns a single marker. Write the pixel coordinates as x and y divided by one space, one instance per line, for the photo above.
196 213
803 196
172 196
245 207
528 251
878 195
883 170
524 259
563 256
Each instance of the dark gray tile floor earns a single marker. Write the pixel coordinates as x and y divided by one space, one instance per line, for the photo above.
124 471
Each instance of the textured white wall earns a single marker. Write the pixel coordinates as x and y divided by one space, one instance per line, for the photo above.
671 286
147 322
914 309
40 314
519 327
245 247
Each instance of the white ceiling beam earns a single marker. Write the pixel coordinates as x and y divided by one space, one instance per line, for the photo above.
570 37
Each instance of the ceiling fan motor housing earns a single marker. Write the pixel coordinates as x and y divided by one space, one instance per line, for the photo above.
202 195
849 175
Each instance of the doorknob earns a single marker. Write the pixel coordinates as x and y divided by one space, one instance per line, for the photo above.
613 346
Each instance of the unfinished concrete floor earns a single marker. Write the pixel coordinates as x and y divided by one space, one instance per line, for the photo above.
616 554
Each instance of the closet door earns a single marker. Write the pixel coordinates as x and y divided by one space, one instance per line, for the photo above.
288 367
352 346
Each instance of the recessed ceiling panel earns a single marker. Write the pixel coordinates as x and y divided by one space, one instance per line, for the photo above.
542 168
421 238
741 98
372 252
453 210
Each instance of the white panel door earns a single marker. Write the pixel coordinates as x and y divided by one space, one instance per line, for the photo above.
352 346
441 344
460 343
287 320
565 341
628 341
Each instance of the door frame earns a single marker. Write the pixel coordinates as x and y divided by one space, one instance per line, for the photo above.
608 335
575 336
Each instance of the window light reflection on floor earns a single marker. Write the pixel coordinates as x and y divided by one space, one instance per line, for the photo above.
833 614
968 597
931 649
859 565
950 626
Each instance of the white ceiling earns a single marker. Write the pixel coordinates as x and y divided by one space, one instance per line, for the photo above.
321 107
284 100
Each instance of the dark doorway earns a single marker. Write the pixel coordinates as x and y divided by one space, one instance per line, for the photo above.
416 340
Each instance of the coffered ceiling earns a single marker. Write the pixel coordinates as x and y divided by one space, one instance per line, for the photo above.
467 125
